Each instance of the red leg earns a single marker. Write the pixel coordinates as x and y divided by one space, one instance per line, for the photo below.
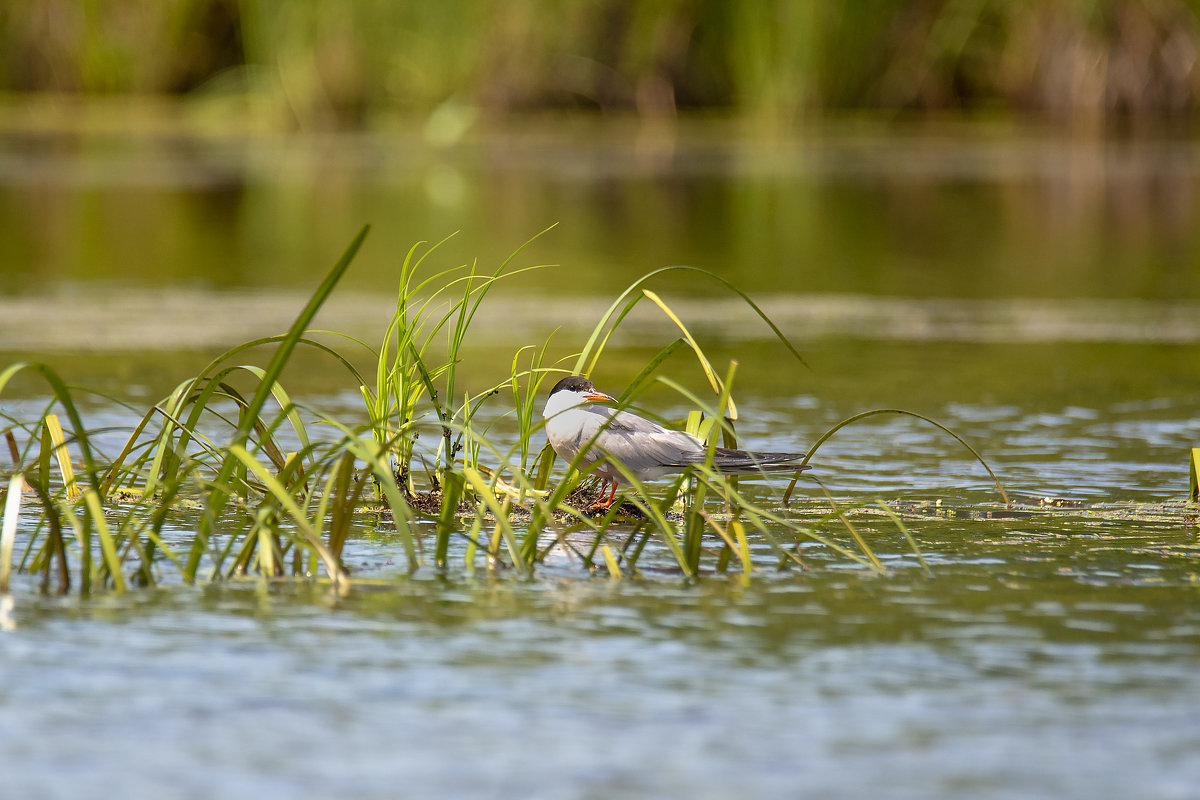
601 503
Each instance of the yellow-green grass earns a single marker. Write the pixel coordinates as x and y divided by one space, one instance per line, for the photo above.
208 460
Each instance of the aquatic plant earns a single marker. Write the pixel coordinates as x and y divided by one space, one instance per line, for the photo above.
204 489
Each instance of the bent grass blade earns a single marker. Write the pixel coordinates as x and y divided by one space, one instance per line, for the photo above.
610 320
717 386
108 546
218 497
286 511
864 415
280 495
907 535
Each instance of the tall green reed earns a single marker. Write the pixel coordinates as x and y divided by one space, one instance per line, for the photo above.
214 454
407 369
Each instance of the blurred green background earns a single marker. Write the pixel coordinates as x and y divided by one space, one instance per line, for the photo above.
351 63
931 148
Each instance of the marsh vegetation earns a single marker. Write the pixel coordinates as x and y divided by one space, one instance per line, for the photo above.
216 453
284 555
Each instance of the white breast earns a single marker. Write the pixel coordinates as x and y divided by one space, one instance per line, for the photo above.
570 424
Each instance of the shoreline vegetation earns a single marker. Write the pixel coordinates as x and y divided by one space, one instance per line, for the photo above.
209 460
360 65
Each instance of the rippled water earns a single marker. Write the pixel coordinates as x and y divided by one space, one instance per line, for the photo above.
1032 663
1051 650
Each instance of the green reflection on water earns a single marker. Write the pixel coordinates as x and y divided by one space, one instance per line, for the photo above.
962 212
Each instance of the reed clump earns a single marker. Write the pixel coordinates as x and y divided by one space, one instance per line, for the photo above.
215 481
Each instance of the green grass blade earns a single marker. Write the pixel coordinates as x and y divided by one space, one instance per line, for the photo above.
374 454
63 395
344 503
862 543
452 491
1194 475
610 561
218 497
590 354
635 386
907 535
8 528
280 495
108 546
487 492
709 373
857 417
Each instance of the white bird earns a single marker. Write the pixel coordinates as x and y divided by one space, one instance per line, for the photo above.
576 418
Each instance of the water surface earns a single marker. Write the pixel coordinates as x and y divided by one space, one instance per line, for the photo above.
1051 650
930 212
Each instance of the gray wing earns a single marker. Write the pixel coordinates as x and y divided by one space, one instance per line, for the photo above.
729 460
642 445
647 448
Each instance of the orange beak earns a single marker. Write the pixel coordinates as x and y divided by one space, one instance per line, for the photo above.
599 397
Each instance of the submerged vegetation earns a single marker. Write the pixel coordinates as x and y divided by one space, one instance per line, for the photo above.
205 488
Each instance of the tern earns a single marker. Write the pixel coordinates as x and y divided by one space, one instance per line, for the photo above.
579 416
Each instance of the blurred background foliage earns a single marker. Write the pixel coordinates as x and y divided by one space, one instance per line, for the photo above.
352 63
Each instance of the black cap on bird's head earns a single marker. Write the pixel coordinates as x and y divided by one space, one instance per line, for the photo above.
574 383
